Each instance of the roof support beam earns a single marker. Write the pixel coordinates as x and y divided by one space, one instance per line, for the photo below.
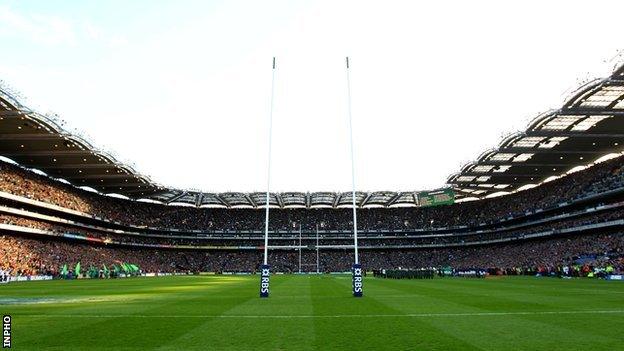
176 197
336 200
251 201
394 199
222 200
279 200
616 101
365 200
198 199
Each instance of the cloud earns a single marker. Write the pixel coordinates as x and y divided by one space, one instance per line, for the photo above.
50 30
42 29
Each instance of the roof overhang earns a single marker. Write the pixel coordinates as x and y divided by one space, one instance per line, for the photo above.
588 126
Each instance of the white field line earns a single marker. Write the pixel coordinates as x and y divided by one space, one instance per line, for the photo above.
416 315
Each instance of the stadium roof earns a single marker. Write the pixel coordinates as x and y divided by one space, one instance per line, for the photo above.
38 141
587 127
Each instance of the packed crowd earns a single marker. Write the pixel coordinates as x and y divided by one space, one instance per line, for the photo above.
546 228
39 255
599 178
25 256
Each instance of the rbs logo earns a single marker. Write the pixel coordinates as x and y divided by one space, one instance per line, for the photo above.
264 281
357 280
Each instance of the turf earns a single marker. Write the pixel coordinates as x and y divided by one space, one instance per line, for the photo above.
316 313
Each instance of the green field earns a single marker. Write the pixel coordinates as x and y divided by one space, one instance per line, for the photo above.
316 313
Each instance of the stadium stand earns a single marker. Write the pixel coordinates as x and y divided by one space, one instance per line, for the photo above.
599 179
582 224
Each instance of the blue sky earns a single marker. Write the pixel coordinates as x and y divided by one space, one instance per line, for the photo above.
181 88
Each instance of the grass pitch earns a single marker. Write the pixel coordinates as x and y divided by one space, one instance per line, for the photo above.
316 313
